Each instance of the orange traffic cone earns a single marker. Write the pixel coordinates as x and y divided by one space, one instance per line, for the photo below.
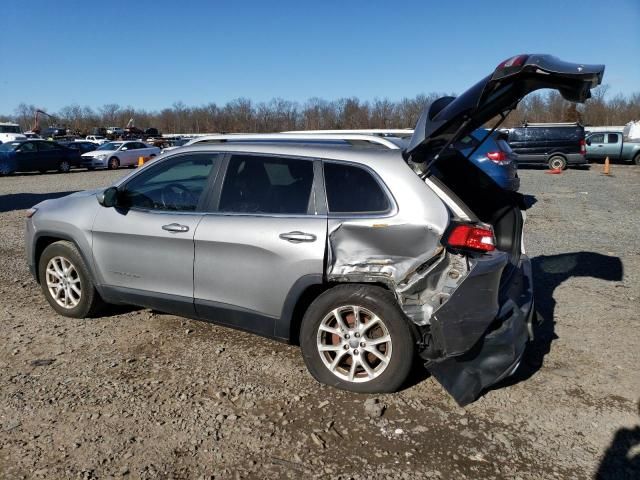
140 161
606 168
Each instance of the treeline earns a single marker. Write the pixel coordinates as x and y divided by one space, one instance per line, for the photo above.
244 115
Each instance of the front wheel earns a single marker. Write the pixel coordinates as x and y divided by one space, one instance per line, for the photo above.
65 281
64 166
636 159
557 162
355 337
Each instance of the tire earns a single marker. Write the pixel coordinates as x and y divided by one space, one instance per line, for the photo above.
557 162
636 159
370 301
64 166
63 256
113 164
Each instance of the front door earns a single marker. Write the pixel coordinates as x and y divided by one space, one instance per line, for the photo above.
265 236
143 248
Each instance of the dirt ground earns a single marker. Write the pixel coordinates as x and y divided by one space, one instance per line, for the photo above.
147 395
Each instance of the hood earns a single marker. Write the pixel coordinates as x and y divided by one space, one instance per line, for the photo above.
497 94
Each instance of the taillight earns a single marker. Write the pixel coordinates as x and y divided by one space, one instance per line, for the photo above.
472 237
583 147
498 157
516 61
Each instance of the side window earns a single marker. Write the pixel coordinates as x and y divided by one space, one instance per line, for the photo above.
352 189
612 138
177 184
597 138
46 146
27 147
255 184
516 135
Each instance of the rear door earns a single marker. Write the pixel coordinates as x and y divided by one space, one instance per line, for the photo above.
613 145
266 236
143 249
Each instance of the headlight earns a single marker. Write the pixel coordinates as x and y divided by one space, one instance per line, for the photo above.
100 157
31 212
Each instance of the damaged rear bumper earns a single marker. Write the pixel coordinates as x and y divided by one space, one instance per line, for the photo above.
497 309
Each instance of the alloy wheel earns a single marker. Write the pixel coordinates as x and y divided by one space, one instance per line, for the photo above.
354 343
63 282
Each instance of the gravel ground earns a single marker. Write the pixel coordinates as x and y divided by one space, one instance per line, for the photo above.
149 395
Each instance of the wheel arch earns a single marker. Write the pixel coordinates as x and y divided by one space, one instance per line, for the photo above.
303 292
43 239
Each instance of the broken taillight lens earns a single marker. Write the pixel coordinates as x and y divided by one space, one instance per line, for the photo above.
472 237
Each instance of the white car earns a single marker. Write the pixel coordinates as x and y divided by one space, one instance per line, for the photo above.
95 139
10 132
115 131
118 154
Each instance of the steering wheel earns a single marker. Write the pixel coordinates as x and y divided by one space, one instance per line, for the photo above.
175 196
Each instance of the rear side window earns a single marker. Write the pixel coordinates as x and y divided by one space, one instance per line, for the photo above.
255 184
517 135
612 138
352 189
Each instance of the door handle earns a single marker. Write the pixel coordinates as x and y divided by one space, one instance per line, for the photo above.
298 237
175 228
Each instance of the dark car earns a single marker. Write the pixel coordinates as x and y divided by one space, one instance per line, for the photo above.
152 132
36 155
554 144
82 147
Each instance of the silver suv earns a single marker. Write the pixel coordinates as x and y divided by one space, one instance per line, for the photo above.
367 258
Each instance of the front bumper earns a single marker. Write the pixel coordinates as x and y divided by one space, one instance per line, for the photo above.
498 350
93 162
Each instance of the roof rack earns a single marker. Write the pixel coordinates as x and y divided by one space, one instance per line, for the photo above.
552 124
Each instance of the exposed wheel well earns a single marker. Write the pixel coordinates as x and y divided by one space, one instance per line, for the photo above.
307 297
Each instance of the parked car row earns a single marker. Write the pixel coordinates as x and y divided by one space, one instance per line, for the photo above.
368 258
45 155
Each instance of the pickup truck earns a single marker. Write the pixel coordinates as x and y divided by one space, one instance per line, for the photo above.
613 145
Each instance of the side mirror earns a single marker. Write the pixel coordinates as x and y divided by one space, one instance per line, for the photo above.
588 142
109 197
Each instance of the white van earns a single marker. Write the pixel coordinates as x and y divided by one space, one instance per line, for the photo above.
10 132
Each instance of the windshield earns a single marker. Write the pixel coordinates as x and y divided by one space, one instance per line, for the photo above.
9 129
8 147
110 146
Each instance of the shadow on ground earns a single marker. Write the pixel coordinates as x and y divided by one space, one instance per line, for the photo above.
549 272
22 201
621 461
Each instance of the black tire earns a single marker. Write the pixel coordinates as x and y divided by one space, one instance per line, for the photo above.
636 159
379 302
64 166
89 301
113 164
557 162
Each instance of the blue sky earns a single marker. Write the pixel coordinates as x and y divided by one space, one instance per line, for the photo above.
150 54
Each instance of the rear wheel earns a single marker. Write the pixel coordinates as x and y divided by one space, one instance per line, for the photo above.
636 159
557 162
113 163
64 166
65 281
355 337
